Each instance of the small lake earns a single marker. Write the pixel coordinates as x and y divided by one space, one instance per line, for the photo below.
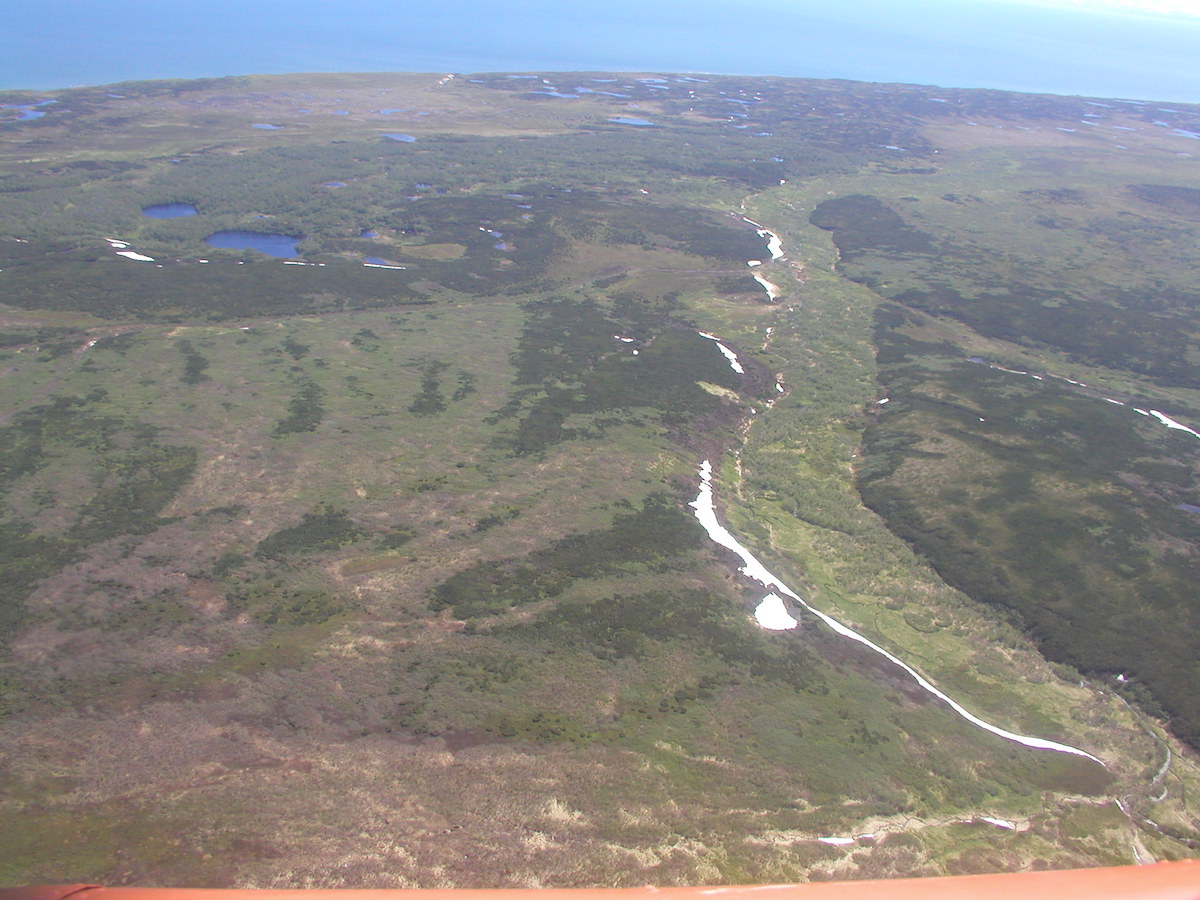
28 111
403 138
169 210
631 120
279 245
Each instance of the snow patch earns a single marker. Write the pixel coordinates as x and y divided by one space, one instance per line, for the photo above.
1171 423
772 615
771 289
774 242
999 823
706 515
725 351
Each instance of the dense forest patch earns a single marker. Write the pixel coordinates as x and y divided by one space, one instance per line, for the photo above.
1031 300
1050 504
572 362
657 537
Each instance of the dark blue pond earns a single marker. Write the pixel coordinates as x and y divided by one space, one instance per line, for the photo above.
376 260
631 120
169 210
280 245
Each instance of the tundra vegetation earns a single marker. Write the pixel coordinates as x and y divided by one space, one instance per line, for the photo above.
321 573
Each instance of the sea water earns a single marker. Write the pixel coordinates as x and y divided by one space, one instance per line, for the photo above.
1005 44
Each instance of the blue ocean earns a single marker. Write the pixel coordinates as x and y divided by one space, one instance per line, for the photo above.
1006 44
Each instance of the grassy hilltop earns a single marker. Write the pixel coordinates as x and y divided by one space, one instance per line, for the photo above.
323 573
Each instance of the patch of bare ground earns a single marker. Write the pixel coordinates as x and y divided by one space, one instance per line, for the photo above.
290 794
294 810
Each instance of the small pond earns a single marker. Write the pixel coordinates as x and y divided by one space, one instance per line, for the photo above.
280 245
403 138
28 111
631 120
169 210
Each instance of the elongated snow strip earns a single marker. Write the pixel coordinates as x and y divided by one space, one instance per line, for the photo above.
706 515
771 288
734 363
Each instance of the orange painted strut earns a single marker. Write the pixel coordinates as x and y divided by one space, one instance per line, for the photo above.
1164 881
